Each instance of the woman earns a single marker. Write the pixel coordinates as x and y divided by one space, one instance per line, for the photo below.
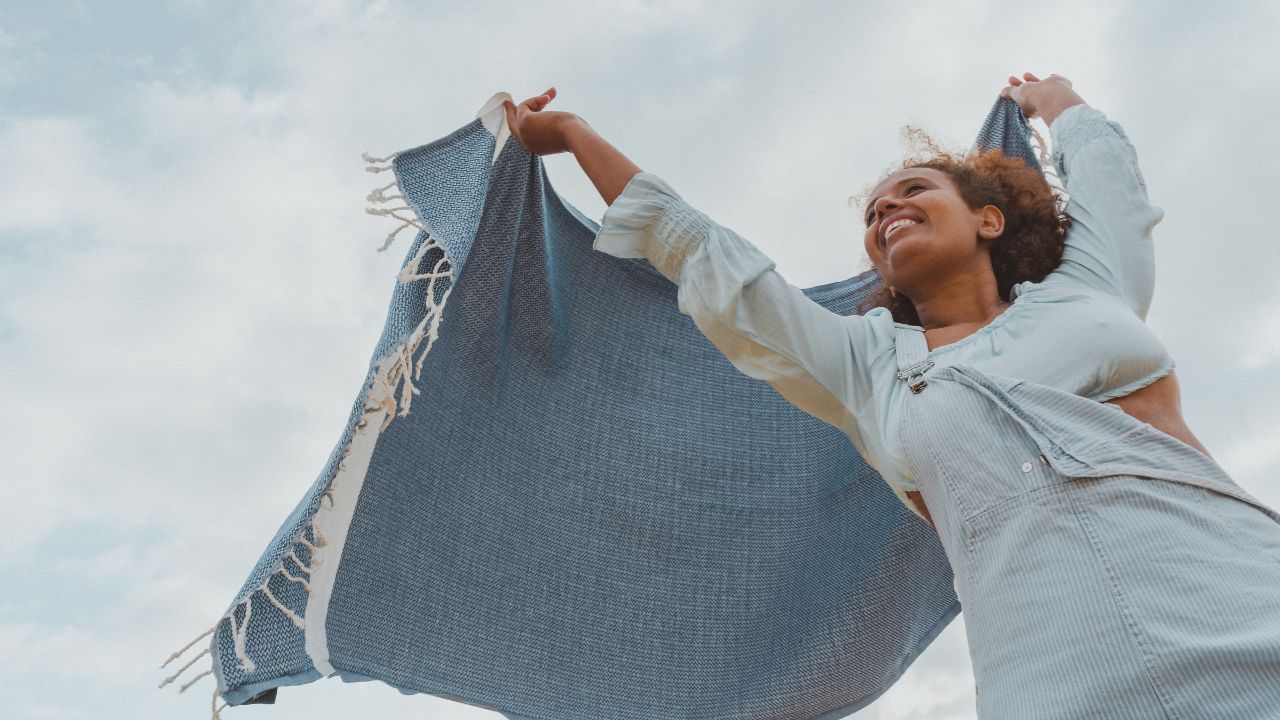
1008 390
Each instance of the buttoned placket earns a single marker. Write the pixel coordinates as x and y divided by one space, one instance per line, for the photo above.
914 362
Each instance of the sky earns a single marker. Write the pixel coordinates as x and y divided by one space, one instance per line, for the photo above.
190 288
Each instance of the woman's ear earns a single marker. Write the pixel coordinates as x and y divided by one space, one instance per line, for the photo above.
990 222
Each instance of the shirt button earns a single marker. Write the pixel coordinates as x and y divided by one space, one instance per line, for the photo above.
1026 466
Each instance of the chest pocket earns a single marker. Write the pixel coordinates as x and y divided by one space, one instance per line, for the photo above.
990 439
969 454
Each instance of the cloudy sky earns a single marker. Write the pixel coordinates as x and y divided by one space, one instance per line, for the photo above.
189 288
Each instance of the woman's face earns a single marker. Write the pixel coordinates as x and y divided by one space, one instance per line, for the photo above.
940 233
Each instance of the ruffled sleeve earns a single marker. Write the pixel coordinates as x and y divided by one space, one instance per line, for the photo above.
767 328
1109 246
650 220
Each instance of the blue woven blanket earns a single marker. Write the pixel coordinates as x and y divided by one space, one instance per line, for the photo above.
555 498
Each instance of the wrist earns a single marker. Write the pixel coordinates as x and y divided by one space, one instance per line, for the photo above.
572 131
1053 99
1051 112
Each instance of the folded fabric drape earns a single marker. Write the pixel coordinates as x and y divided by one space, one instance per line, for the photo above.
556 499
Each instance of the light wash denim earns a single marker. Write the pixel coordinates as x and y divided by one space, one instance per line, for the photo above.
1106 569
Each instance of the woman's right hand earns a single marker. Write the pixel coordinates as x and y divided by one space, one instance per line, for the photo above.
541 132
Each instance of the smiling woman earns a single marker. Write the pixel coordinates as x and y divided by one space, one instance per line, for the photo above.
590 514
1008 223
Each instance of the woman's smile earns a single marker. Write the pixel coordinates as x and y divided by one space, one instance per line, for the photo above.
899 227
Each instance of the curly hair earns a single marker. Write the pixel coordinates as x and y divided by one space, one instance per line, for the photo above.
1035 228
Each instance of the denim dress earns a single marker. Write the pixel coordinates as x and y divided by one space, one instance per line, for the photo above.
1106 569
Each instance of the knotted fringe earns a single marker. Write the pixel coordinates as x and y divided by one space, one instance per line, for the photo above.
1046 159
239 626
394 370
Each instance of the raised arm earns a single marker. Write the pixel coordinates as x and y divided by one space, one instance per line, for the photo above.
1109 246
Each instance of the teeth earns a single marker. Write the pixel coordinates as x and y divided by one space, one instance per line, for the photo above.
897 224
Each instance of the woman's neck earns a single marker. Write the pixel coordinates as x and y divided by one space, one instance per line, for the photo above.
956 310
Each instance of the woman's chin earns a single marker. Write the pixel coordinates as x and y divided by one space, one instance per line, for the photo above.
902 254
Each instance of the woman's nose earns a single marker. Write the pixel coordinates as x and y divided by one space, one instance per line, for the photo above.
884 205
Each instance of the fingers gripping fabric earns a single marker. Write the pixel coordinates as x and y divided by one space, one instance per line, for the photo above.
1007 129
556 499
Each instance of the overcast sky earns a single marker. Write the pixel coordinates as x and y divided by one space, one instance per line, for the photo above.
189 288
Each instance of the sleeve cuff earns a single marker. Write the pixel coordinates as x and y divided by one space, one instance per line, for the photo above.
1076 127
1072 125
649 219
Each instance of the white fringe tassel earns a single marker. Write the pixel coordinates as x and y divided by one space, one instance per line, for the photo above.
188 646
1046 159
183 669
394 370
240 635
240 628
195 679
215 710
294 617
399 369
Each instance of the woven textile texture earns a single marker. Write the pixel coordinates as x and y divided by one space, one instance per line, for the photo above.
556 499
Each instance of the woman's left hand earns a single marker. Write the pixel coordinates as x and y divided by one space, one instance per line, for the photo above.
1029 91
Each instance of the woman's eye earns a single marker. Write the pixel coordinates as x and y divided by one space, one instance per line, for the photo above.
912 187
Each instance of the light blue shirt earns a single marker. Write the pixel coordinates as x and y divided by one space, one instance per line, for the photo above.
1081 329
